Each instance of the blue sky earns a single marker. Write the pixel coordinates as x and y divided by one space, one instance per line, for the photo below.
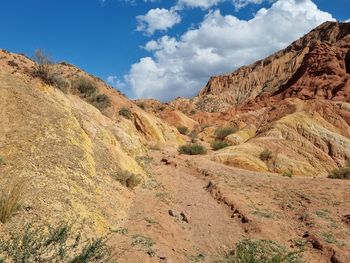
160 48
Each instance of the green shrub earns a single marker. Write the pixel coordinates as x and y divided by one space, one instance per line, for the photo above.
340 173
265 155
101 101
192 149
10 201
288 173
141 105
126 113
261 251
127 179
217 145
86 87
183 130
222 132
48 244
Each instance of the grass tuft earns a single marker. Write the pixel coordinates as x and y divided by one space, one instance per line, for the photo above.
127 179
10 201
192 149
261 251
218 145
222 132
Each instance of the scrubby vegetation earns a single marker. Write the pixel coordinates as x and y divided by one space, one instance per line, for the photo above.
288 173
265 155
10 201
126 113
101 101
183 130
86 87
52 244
141 105
46 71
192 149
127 179
340 173
261 251
145 243
222 132
217 145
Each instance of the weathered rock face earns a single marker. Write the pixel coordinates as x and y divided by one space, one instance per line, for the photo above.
294 103
66 150
311 67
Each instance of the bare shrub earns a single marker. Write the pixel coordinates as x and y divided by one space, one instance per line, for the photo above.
10 201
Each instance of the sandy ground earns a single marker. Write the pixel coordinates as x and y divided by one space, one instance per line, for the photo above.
193 210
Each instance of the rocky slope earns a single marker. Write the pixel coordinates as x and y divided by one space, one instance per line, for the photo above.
68 152
295 103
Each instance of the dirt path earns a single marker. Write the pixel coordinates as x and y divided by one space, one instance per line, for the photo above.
183 219
177 216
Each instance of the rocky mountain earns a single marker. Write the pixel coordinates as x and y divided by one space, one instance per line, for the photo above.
314 67
294 103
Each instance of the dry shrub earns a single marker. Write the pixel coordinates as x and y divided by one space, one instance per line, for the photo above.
10 201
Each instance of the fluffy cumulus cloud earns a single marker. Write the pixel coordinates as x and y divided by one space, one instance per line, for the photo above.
221 43
157 19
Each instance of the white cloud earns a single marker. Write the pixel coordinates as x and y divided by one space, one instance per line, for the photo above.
181 66
205 4
157 19
115 82
347 21
198 3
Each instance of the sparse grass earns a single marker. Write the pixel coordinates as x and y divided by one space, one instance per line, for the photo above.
263 213
126 113
261 251
151 220
2 160
328 237
182 129
145 243
288 173
218 145
121 231
197 258
144 160
192 149
322 214
52 244
10 201
222 132
127 179
340 173
265 155
164 197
